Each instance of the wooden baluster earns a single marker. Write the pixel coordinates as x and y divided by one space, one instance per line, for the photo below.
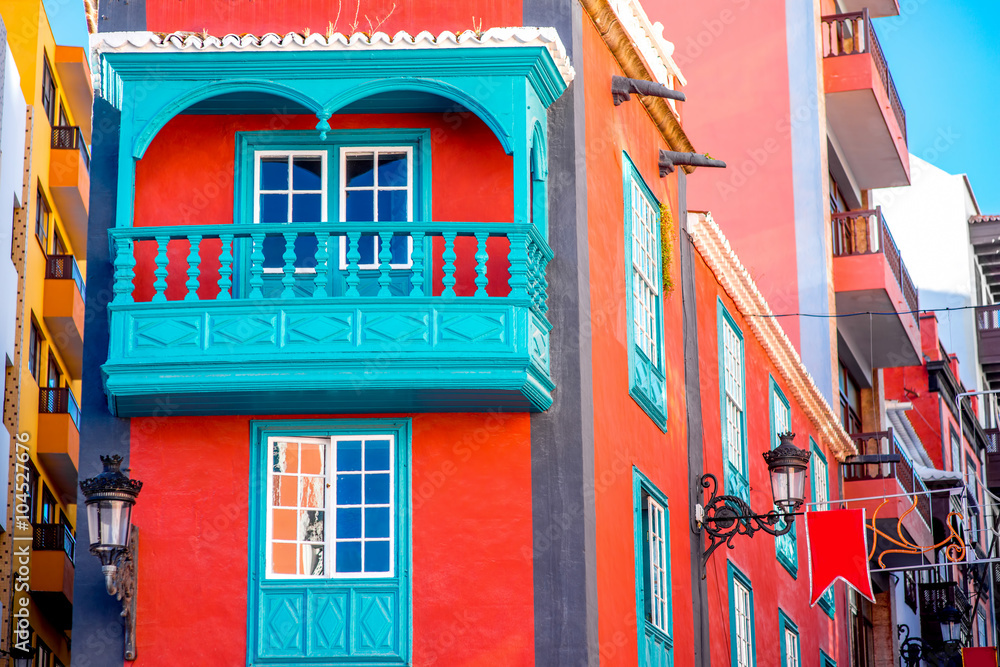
417 272
322 263
161 261
194 260
353 257
518 258
481 256
449 258
257 267
124 270
225 267
384 261
288 273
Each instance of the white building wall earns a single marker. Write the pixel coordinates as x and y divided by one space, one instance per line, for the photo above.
930 223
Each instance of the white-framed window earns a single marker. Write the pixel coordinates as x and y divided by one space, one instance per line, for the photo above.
790 645
330 508
646 280
376 185
743 624
659 574
821 480
733 404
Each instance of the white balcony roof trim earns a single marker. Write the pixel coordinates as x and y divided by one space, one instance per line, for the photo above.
714 247
143 41
656 51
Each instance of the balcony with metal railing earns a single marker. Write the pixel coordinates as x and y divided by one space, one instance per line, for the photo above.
862 104
69 182
53 549
58 444
63 309
871 277
313 317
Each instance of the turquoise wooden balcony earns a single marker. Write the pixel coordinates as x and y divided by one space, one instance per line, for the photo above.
328 318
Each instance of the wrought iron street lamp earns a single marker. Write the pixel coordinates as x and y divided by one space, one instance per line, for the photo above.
20 658
724 517
109 498
948 617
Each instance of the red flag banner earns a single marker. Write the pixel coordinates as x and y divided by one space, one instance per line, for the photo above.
837 550
983 656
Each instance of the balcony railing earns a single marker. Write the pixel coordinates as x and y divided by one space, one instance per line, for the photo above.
64 267
69 137
426 313
853 34
865 233
54 537
53 400
883 444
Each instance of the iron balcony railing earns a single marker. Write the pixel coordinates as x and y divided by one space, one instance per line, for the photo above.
54 537
883 444
865 233
64 267
69 137
934 597
853 34
52 400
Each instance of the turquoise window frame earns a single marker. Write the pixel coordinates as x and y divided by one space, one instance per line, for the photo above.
828 601
785 624
248 143
650 637
785 546
735 575
646 377
304 595
825 660
737 481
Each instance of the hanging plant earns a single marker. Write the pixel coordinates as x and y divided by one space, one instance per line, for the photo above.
666 246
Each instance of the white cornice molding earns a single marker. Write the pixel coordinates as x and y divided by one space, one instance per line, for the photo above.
735 279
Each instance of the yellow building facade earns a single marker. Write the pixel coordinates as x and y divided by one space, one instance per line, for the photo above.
43 386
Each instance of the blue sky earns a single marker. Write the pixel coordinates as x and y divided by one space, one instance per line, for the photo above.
945 59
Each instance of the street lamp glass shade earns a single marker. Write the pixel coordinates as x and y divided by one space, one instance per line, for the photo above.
788 465
109 523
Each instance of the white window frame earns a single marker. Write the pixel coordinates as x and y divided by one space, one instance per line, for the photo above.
644 228
822 484
659 575
330 509
289 155
791 647
732 346
342 191
744 620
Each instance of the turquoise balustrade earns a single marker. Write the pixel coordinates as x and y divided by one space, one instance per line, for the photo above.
327 318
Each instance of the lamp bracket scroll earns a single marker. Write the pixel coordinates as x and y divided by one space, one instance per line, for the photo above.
722 518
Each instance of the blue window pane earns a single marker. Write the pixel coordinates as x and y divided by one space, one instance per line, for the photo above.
305 251
392 206
274 248
348 489
392 170
348 556
307 208
349 455
306 173
376 522
377 455
274 173
376 488
349 522
376 557
360 206
366 246
360 170
400 247
274 208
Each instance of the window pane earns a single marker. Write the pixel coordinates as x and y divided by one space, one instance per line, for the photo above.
274 208
312 559
348 556
283 558
377 455
367 247
348 489
360 170
377 556
285 489
376 522
312 458
307 173
392 170
349 455
392 205
283 524
274 173
400 247
359 206
274 249
348 522
307 208
311 527
313 492
376 488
